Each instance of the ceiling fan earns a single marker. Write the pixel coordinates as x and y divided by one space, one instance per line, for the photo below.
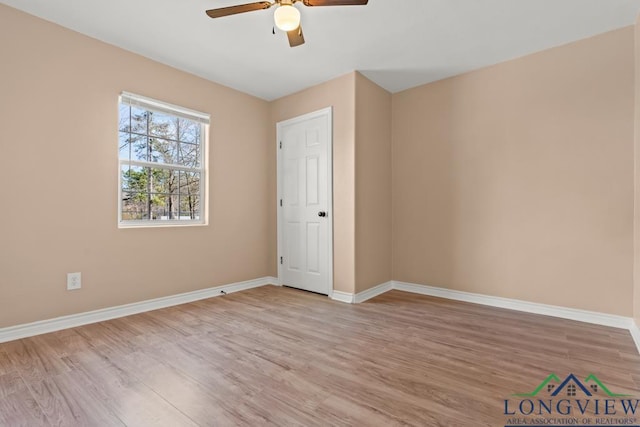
286 16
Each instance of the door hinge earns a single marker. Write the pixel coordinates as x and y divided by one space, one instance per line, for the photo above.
281 202
280 260
280 144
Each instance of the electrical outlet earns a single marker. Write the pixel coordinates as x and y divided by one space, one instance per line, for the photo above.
74 281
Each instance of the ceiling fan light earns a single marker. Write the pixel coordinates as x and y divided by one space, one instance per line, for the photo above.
287 17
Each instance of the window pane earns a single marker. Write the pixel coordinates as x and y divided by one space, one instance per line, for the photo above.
134 206
138 120
139 147
135 203
163 180
163 151
124 146
189 155
189 206
163 125
159 194
124 177
133 146
189 131
123 118
189 183
161 207
133 214
134 179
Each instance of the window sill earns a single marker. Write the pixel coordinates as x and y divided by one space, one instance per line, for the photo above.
161 224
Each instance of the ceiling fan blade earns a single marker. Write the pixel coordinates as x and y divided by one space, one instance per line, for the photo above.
335 2
296 38
241 8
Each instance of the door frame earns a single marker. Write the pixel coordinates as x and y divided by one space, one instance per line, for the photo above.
328 112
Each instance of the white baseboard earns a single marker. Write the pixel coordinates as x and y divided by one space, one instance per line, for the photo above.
350 298
373 292
508 303
272 280
45 326
342 297
513 304
635 334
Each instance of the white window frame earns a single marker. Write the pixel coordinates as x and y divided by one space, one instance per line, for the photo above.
204 119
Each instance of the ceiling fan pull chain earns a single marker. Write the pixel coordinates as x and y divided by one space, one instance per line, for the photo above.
273 30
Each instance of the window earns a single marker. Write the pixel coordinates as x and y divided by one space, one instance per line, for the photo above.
162 163
571 390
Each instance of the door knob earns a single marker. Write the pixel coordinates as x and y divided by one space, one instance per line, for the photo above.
322 213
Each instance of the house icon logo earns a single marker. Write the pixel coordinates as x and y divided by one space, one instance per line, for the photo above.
572 401
571 386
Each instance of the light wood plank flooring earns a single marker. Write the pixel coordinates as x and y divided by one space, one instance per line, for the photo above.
278 356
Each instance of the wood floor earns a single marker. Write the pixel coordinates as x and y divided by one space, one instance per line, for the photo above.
277 356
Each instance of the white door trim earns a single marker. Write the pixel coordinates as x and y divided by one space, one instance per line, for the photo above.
328 112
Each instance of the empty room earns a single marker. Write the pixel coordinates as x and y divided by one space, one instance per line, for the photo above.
320 213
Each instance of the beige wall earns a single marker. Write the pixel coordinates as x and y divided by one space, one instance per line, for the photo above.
58 165
339 94
517 180
373 184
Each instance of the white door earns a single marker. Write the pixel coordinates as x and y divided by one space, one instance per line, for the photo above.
305 217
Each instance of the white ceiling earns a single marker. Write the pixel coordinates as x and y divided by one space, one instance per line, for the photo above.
396 43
